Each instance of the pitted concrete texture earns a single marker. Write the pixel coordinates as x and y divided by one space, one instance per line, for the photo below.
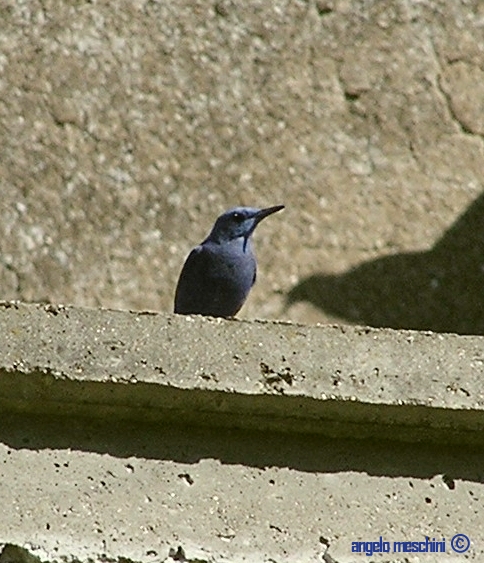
76 490
350 381
161 438
127 127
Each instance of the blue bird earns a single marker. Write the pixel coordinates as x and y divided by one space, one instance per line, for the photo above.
219 273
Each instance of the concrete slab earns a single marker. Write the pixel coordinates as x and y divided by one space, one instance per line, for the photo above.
107 490
147 437
338 381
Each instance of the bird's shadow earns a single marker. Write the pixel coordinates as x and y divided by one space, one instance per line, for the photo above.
441 289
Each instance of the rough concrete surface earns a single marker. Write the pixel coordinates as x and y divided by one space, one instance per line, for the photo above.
350 381
127 127
136 436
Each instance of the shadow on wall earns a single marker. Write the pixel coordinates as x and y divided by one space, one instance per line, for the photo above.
262 449
441 289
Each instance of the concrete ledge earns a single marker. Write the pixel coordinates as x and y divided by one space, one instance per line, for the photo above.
337 381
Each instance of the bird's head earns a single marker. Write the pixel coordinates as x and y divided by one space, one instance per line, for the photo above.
239 222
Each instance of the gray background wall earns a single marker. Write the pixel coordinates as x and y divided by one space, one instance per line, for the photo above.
127 127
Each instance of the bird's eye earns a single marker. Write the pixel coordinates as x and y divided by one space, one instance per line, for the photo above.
238 216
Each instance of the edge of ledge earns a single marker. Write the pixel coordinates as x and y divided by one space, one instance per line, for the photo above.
336 381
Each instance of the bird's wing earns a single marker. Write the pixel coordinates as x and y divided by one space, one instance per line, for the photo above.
210 284
200 290
187 294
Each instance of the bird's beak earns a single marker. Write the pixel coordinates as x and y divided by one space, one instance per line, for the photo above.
267 211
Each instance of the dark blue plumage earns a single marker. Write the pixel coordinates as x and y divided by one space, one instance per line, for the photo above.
219 273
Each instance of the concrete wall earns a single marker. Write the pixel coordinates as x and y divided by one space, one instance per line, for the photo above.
126 128
170 438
